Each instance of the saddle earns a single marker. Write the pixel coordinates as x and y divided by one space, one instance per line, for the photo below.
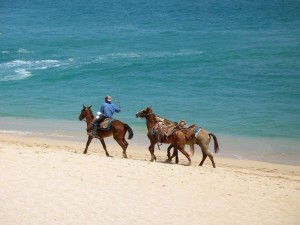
162 131
106 124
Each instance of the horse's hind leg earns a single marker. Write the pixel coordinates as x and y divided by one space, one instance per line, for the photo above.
211 159
169 152
104 146
175 154
123 145
203 159
90 138
206 153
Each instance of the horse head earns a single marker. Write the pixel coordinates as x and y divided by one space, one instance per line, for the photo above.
144 113
85 112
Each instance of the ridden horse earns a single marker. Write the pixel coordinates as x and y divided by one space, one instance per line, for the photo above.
117 130
177 138
201 137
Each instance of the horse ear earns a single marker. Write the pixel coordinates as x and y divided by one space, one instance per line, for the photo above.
83 106
90 107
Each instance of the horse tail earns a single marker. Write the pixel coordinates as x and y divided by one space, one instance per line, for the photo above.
215 142
128 128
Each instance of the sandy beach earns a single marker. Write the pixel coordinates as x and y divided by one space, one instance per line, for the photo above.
47 181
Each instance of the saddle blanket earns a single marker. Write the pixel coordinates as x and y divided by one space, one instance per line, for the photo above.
106 124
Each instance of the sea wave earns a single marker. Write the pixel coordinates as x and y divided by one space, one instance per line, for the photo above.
31 64
19 74
136 55
22 69
23 51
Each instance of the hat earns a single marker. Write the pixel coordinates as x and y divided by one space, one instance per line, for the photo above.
108 98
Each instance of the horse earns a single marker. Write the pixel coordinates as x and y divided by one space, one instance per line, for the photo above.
201 137
177 138
117 130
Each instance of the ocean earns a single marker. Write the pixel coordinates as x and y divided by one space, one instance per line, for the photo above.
231 67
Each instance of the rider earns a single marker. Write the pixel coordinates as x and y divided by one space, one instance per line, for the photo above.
107 110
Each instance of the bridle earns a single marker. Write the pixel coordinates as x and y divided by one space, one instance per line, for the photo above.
88 115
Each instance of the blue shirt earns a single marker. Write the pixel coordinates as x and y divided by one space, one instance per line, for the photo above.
108 109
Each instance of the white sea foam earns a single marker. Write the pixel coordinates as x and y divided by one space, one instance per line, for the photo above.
21 69
134 55
20 74
23 51
173 54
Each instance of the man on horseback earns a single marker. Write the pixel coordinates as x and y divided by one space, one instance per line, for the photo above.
107 110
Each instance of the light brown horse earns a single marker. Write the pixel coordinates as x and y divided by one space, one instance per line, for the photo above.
201 137
118 131
177 138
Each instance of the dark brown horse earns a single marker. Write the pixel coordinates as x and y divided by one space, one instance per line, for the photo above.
177 138
201 137
118 131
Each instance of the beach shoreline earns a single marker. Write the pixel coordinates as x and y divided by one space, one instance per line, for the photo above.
272 150
48 181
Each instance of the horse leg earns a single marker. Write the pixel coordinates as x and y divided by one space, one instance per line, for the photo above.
186 155
205 153
203 158
104 146
151 149
90 138
169 152
123 145
210 157
175 153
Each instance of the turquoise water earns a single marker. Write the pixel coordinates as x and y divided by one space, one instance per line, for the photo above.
231 67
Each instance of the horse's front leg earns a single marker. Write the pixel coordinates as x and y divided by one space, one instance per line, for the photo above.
90 138
104 146
151 149
186 155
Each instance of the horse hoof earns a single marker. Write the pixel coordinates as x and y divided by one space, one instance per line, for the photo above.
168 161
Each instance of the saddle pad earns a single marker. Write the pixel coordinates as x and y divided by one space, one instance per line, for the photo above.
197 129
106 124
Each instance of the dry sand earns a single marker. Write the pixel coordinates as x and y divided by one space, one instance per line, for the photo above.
51 182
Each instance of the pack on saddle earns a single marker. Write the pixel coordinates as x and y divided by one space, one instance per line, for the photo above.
165 128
